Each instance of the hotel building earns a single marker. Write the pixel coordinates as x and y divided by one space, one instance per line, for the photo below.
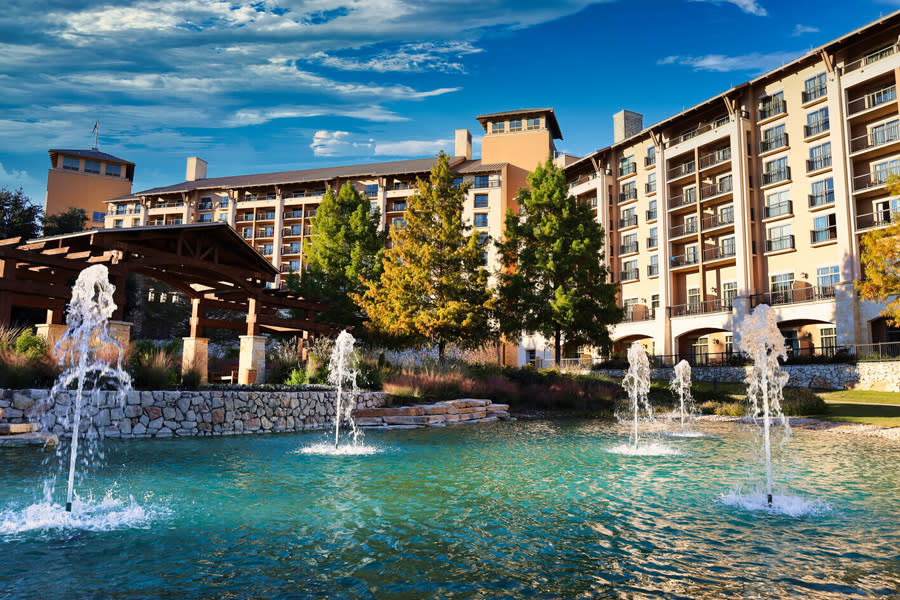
86 179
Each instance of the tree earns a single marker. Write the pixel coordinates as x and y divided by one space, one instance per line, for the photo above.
880 258
18 216
553 279
345 250
71 221
434 284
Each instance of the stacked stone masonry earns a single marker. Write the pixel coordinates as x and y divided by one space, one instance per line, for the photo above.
881 376
213 412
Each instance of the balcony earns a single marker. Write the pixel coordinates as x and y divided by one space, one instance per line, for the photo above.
484 182
871 58
247 235
265 233
821 236
628 194
244 218
872 180
650 188
651 215
652 270
724 186
627 168
292 249
872 99
293 214
652 242
687 228
397 207
684 260
639 313
767 110
816 128
698 308
649 161
776 176
629 248
779 244
681 170
821 198
876 138
688 135
723 217
818 163
715 158
796 295
578 181
685 199
630 275
628 221
875 219
773 143
721 252
815 93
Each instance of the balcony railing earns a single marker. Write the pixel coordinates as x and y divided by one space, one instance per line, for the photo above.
874 179
785 207
723 217
715 158
782 243
652 242
723 186
807 293
649 161
773 143
681 170
770 109
581 179
651 215
649 188
397 207
776 176
639 313
814 93
868 59
629 248
821 198
879 137
875 219
630 275
293 214
819 236
719 252
816 128
684 260
629 221
872 99
698 308
685 199
683 229
698 131
652 270
627 194
818 163
627 168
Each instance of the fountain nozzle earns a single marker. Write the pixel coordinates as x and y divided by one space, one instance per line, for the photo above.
769 499
68 507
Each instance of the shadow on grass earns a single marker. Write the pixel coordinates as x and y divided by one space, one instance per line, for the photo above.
869 414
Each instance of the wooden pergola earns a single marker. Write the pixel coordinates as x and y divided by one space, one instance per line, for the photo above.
210 263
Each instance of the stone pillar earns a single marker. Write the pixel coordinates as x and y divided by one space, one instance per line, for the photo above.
252 361
851 327
195 355
120 331
51 332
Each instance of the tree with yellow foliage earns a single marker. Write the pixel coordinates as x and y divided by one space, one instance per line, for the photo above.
880 258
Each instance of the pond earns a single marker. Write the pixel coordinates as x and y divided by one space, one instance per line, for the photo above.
536 509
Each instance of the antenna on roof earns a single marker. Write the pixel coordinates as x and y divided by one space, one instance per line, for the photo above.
96 132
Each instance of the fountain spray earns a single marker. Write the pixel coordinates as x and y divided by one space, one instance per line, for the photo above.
83 351
342 371
681 385
637 383
762 341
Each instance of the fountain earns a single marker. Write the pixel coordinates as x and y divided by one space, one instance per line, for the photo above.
680 385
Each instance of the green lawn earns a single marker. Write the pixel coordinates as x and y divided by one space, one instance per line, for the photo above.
842 396
868 414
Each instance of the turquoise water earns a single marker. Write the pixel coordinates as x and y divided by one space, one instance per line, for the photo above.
515 510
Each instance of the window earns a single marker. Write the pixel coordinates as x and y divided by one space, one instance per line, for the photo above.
651 156
825 229
690 224
779 238
773 138
653 269
629 244
113 170
726 246
780 285
814 87
884 133
791 342
265 232
481 200
484 259
778 204
827 278
372 190
205 203
692 255
819 157
92 166
772 105
729 291
776 170
882 170
398 205
828 340
651 183
398 222
629 270
654 301
121 209
515 125
626 165
481 220
205 218
629 192
223 218
628 218
533 123
98 217
483 239
653 240
822 192
817 122
266 249
71 163
498 126
651 212
293 248
729 344
700 351
486 181
223 203
726 214
296 230
693 299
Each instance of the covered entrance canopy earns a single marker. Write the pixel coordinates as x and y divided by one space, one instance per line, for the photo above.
208 262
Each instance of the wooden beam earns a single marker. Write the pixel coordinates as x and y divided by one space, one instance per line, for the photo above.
252 317
35 288
14 241
222 324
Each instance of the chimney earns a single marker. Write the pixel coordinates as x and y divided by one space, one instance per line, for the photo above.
626 124
463 144
196 169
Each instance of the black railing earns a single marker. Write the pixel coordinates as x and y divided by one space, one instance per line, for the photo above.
683 229
776 176
723 217
627 169
813 93
819 236
649 161
652 270
652 242
719 252
684 260
722 187
629 248
816 128
771 109
682 170
629 221
821 198
698 308
628 194
874 219
785 207
639 313
630 274
778 244
807 293
684 199
815 164
714 158
651 215
778 141
649 188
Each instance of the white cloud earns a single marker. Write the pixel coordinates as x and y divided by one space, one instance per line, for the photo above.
13 178
339 143
802 29
754 62
445 57
250 116
751 7
412 147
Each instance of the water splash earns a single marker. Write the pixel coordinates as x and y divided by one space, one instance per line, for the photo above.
637 383
791 506
762 341
343 369
85 351
681 387
651 449
324 449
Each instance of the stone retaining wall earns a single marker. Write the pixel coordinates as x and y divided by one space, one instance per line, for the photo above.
183 413
881 376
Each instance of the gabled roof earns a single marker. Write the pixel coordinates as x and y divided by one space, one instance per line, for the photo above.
95 154
397 167
524 113
476 166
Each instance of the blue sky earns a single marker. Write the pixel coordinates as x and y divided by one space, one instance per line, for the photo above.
268 85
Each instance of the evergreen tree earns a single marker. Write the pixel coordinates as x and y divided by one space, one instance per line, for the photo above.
71 221
880 258
434 285
18 216
553 279
344 250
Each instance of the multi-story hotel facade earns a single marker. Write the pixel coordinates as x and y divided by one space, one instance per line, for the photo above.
759 195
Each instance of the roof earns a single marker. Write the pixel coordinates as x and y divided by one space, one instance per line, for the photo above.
552 123
90 154
121 198
397 167
476 166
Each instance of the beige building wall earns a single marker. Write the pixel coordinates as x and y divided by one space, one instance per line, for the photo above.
70 185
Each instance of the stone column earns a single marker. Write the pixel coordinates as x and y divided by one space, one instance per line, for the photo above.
195 355
252 361
51 332
120 331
